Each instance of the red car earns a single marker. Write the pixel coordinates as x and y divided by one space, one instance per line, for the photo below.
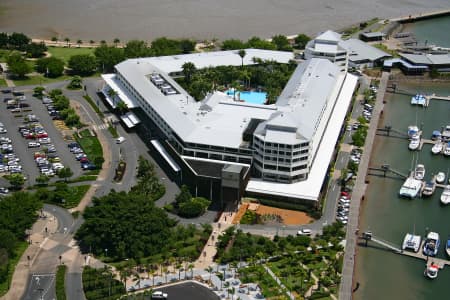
30 136
42 135
84 160
345 194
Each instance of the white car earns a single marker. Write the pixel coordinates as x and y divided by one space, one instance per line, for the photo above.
33 145
45 140
58 166
120 140
159 295
3 130
305 231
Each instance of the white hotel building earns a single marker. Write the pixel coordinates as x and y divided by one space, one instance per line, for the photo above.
281 150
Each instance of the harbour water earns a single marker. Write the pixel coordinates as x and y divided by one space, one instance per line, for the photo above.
199 19
382 274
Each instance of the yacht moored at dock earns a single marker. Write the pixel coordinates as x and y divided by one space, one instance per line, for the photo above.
437 148
429 188
447 149
431 245
445 196
414 143
447 246
440 177
419 172
412 130
411 242
432 271
445 135
419 99
436 135
410 188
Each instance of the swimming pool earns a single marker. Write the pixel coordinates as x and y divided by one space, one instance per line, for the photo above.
250 97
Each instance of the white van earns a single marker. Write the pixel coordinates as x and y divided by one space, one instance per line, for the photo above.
120 140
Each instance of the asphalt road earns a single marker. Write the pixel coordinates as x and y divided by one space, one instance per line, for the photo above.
41 287
188 291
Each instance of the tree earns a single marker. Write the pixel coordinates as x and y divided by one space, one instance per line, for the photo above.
122 107
184 195
18 41
258 43
65 173
281 42
188 71
79 42
75 83
17 65
35 50
108 57
83 64
232 44
116 42
136 48
67 40
301 40
42 179
16 181
164 46
54 39
38 92
102 42
242 54
92 42
112 93
187 46
50 66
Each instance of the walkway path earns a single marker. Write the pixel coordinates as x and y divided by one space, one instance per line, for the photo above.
278 281
41 230
345 291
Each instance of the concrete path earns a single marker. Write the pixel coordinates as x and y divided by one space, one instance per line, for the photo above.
278 281
345 291
46 226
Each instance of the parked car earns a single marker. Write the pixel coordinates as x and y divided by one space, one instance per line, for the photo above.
73 145
304 231
89 167
33 145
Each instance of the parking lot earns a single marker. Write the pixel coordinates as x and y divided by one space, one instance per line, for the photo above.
37 145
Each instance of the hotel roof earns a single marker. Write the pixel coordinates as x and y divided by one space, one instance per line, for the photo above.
360 51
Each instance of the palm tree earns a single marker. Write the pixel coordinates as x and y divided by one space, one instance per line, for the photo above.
209 270
112 94
116 41
191 268
79 42
164 270
188 71
122 107
235 85
102 42
92 42
55 39
242 54
67 40
137 279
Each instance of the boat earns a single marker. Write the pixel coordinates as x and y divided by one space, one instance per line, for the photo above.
419 172
445 135
447 246
414 144
447 149
440 177
431 271
410 188
419 99
411 242
436 135
412 130
431 245
430 187
445 196
437 148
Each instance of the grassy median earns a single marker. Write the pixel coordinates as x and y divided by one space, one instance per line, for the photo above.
60 282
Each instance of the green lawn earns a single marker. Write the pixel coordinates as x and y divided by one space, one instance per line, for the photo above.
20 249
90 145
257 274
2 82
65 53
77 193
60 286
39 79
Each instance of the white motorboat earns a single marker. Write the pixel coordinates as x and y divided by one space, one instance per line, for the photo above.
431 271
414 144
411 242
447 247
445 196
429 188
440 177
419 99
431 245
410 188
447 149
419 172
437 148
412 130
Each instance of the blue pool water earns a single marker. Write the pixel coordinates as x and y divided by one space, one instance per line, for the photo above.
250 97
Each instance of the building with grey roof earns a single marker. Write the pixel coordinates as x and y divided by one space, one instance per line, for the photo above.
281 142
363 55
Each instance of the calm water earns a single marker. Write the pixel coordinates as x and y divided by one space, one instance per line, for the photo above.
250 97
200 19
382 274
435 31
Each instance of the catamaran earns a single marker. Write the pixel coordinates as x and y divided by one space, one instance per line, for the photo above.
411 242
